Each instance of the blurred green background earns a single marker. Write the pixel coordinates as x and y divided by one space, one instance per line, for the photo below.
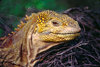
17 8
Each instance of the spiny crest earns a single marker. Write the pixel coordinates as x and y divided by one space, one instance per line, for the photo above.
17 29
29 17
20 26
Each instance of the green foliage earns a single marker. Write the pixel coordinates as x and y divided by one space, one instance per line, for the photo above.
45 4
12 7
18 7
1 32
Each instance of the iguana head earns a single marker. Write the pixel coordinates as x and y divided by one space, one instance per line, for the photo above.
54 27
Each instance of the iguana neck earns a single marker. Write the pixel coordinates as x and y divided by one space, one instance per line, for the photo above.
16 47
32 43
35 46
25 45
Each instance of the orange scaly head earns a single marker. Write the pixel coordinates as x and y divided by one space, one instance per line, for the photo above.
55 27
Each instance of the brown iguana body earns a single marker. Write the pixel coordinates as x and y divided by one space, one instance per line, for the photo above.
42 31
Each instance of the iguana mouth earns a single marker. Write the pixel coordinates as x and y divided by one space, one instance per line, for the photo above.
59 37
72 33
67 33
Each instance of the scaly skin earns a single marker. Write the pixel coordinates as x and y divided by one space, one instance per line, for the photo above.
42 31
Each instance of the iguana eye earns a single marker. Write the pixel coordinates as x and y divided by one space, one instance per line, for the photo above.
56 23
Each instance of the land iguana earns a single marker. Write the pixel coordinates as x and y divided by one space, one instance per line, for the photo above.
42 31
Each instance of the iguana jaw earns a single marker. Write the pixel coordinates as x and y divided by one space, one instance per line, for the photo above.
59 37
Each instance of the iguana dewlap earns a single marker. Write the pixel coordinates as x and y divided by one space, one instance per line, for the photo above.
42 31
